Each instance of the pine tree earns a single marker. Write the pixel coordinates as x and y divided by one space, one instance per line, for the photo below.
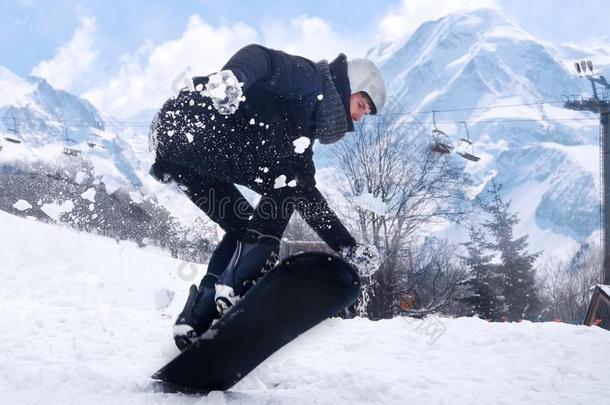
516 263
483 282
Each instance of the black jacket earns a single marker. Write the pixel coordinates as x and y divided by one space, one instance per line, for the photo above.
282 92
254 146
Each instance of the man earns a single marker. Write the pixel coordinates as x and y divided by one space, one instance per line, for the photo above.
254 123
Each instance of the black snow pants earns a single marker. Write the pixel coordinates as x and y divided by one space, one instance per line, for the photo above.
224 204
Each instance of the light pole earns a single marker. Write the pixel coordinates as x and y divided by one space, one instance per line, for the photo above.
599 104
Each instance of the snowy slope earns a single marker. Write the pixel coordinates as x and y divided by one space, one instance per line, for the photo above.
86 320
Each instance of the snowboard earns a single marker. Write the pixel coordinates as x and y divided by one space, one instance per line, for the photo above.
297 294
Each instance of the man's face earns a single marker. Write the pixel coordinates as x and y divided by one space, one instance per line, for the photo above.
358 106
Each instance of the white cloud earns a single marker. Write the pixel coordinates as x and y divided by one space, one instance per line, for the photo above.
403 20
153 73
311 37
72 60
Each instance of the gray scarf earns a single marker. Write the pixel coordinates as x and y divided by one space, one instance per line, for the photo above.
330 117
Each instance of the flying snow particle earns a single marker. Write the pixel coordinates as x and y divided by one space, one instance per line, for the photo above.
80 177
219 92
320 96
54 210
189 137
280 181
301 144
22 205
89 195
252 122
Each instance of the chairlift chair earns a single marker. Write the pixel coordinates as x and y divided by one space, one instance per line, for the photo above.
71 152
441 142
15 131
96 145
68 150
466 147
12 140
92 143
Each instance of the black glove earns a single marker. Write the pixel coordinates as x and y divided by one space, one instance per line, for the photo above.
365 258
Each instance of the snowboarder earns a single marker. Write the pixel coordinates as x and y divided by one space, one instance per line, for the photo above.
254 123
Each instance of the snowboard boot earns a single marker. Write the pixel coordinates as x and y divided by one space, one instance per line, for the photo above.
255 255
200 309
197 316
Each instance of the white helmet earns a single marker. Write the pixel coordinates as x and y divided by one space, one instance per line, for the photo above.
364 76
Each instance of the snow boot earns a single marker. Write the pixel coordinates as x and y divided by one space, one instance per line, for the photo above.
200 309
255 255
197 316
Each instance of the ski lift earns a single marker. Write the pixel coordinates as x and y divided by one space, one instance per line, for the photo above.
93 143
466 147
15 131
441 143
68 150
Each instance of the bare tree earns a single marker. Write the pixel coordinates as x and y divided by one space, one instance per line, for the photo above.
396 186
567 285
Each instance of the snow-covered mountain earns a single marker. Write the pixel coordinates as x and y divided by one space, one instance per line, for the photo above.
49 122
545 156
59 129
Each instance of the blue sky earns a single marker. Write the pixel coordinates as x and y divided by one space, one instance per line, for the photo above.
37 28
110 52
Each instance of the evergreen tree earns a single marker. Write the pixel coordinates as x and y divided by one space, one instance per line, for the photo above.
483 283
516 267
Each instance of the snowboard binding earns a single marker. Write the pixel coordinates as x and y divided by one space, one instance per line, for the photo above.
254 256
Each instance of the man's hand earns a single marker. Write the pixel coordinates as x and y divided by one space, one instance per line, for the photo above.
365 258
225 91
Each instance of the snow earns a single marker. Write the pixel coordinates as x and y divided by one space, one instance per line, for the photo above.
301 144
163 298
89 194
22 205
96 326
136 197
280 181
585 156
524 200
55 210
605 289
15 90
368 202
80 177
